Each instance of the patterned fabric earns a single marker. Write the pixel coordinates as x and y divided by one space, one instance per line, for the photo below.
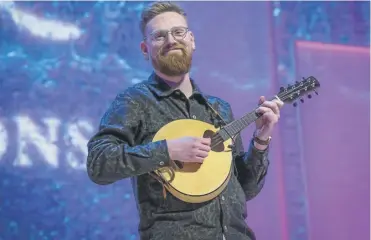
123 149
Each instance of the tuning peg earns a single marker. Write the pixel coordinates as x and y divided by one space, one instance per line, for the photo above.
302 100
295 104
309 96
304 78
316 92
282 89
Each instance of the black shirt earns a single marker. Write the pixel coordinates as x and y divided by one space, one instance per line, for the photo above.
123 148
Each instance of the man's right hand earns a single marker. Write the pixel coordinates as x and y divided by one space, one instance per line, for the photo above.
189 149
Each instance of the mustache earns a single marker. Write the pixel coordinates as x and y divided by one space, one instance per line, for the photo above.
166 49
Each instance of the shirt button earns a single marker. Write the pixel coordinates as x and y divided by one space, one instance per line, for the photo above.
225 228
223 198
162 163
194 116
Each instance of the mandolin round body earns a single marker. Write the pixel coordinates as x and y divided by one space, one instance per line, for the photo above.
195 182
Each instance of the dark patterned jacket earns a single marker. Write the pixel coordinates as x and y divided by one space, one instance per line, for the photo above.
123 149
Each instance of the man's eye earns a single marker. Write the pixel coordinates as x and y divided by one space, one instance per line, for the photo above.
159 35
179 32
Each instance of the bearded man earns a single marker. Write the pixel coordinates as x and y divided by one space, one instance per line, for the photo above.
123 147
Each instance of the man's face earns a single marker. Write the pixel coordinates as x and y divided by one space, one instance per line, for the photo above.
169 44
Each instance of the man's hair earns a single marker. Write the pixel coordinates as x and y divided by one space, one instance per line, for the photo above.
156 9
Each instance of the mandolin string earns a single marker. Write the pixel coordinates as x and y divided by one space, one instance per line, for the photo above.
220 140
217 139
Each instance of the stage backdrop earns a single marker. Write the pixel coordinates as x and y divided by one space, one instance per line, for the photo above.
62 63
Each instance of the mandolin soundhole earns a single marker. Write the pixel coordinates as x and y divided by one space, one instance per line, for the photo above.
217 144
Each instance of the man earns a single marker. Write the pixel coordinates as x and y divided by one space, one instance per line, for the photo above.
123 146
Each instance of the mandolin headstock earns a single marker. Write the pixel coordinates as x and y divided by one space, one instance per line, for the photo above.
292 92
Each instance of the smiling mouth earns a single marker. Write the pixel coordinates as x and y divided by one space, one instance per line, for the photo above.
173 51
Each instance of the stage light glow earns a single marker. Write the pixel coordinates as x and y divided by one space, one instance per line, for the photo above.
40 27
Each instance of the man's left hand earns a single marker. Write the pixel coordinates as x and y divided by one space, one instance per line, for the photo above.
271 114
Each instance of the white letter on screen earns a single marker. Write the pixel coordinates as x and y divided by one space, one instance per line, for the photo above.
43 139
78 141
3 140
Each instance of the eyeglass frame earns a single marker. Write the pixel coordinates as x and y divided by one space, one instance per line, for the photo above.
170 31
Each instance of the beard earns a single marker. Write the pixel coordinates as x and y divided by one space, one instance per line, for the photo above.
173 63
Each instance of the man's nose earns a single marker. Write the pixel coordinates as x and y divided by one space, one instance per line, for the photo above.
170 38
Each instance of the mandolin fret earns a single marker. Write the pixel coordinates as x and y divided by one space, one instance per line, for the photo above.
238 125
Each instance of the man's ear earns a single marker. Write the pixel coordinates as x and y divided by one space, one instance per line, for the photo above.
144 49
192 37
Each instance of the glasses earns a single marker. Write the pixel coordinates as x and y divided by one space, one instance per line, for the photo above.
160 36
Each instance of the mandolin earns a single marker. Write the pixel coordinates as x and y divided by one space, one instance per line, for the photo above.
197 183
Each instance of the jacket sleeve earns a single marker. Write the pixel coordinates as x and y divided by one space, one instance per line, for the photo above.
113 153
251 166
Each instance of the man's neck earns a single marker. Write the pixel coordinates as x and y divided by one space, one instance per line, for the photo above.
183 83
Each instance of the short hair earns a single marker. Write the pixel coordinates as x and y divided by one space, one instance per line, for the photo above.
156 9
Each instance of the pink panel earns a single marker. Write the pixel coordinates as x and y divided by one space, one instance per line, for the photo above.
336 127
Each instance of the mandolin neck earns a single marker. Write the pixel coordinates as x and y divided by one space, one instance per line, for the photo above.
238 125
286 95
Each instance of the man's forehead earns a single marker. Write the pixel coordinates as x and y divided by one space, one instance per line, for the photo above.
165 21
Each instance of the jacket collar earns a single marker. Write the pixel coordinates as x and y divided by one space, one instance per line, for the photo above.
161 89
